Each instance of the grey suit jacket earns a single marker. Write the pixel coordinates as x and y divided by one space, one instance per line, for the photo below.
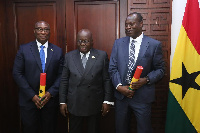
150 58
84 90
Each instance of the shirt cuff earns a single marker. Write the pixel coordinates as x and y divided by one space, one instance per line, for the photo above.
62 103
111 103
118 85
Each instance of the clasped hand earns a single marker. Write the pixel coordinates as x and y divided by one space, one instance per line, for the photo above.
134 85
40 102
125 91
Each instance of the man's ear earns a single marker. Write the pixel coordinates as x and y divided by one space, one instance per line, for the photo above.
91 42
141 24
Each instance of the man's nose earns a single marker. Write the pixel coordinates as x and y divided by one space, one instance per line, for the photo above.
43 32
82 43
128 26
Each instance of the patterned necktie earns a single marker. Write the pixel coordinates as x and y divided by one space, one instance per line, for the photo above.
84 60
42 57
131 61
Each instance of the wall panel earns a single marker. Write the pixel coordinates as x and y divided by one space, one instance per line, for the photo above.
21 16
157 24
101 18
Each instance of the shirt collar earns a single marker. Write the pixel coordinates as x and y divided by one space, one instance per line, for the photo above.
138 39
87 54
39 44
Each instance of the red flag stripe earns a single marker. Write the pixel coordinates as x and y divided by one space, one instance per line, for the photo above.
138 72
191 21
43 79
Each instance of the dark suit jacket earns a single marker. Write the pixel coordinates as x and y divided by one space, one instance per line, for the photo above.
85 90
149 57
27 69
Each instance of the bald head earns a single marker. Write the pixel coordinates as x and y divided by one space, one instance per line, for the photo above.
84 41
85 32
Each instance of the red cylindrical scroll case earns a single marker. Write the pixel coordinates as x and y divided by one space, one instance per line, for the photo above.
42 84
136 76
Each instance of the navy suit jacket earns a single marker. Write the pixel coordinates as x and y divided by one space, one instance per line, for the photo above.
84 90
150 58
27 69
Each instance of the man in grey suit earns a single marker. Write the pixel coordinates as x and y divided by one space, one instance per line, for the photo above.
85 88
129 52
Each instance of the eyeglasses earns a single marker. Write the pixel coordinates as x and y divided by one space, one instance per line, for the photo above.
41 30
83 41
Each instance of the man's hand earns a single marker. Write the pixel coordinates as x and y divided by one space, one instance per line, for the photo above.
105 108
45 98
139 83
63 109
37 101
125 91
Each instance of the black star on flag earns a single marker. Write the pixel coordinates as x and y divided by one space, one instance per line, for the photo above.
187 80
41 91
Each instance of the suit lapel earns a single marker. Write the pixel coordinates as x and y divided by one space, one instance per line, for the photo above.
125 48
50 52
36 54
143 47
91 60
77 62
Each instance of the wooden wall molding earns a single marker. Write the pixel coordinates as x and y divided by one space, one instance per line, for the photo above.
16 27
157 24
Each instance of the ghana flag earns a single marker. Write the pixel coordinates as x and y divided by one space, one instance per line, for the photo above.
42 84
183 112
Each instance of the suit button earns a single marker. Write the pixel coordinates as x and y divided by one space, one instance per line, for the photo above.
88 86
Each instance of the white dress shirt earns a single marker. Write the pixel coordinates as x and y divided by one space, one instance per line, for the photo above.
45 48
138 42
87 55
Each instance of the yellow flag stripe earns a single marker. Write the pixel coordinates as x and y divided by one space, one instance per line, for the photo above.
187 54
41 91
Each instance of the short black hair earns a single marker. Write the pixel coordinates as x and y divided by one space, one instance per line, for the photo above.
41 21
139 16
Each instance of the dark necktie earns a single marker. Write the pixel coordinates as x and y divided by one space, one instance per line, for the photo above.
84 60
42 57
131 61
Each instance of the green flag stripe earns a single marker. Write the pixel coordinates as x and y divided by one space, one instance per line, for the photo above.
177 121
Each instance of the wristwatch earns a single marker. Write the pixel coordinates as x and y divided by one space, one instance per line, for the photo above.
148 81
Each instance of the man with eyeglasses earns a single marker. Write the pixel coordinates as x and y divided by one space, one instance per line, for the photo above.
85 91
38 114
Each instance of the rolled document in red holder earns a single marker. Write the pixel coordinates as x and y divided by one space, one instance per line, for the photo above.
136 76
42 84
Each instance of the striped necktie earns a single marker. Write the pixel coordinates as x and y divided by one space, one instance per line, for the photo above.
84 60
42 57
131 61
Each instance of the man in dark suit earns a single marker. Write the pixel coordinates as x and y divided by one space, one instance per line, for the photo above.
125 57
85 88
38 114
